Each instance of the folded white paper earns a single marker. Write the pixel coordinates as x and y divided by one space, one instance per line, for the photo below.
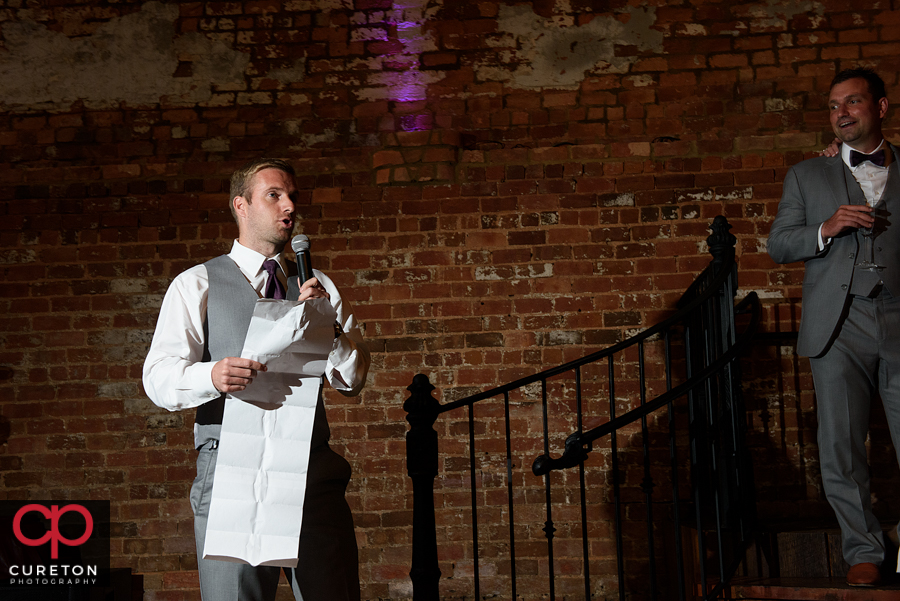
256 507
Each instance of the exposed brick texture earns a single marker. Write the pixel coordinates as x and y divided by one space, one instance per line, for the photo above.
489 208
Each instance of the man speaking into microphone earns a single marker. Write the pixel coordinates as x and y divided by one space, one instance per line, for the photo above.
195 361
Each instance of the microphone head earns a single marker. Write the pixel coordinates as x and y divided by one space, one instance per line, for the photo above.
300 243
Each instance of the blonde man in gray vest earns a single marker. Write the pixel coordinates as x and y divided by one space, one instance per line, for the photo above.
850 325
194 361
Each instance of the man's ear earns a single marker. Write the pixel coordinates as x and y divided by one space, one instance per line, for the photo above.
240 206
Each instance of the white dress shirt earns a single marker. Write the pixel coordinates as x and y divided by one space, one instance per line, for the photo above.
175 376
871 178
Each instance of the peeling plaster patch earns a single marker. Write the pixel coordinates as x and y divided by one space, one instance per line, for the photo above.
357 140
778 13
341 80
774 105
403 86
366 34
298 99
17 256
557 55
310 140
127 286
692 29
739 194
706 195
519 272
622 200
307 140
145 302
740 28
318 5
785 40
216 145
406 19
129 59
291 75
741 293
641 81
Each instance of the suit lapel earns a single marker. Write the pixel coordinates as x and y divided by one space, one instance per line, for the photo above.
836 177
892 189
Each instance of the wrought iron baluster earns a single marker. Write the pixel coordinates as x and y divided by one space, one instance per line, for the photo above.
509 493
549 528
647 483
474 491
421 464
617 493
697 434
673 456
585 547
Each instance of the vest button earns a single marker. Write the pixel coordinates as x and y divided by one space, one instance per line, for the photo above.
843 286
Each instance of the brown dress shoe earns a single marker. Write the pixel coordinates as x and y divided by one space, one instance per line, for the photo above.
864 574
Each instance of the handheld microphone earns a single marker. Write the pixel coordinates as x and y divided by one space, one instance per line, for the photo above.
300 246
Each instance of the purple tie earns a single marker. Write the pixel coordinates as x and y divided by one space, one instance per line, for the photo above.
856 158
274 287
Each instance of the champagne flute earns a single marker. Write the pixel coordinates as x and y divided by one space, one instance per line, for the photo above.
868 233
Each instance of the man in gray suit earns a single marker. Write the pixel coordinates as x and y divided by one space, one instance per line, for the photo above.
850 325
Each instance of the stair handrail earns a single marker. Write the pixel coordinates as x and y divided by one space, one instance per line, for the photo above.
571 456
717 279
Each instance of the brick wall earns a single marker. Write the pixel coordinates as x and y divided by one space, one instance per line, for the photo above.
496 187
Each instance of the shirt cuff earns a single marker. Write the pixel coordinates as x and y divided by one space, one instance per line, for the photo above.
201 381
822 242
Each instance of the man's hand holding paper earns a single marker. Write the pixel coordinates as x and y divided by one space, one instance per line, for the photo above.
290 339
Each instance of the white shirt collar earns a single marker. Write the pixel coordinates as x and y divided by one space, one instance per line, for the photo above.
845 154
250 261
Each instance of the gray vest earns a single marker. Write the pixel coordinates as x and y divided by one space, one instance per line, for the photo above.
229 308
886 243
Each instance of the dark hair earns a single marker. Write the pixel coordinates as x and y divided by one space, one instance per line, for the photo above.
876 84
243 178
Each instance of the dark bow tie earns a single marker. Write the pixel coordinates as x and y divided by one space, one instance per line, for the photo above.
877 158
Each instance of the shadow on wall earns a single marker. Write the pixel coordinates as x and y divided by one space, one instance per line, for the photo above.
781 433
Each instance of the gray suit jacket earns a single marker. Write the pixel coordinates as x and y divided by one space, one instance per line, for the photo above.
813 191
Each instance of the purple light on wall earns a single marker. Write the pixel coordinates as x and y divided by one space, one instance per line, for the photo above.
402 78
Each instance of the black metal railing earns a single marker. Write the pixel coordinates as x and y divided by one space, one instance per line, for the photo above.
673 391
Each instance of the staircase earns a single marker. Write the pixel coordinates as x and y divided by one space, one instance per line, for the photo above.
809 567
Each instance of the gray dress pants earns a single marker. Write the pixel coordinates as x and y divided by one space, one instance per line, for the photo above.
328 569
864 357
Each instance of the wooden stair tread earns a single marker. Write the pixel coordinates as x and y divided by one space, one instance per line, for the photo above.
810 589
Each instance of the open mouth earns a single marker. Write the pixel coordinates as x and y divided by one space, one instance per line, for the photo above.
846 124
287 222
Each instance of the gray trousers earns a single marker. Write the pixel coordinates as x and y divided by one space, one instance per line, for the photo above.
864 357
328 569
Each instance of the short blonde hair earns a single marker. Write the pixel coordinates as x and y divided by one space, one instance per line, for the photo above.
242 179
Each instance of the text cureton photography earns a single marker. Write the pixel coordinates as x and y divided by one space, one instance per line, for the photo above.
54 543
